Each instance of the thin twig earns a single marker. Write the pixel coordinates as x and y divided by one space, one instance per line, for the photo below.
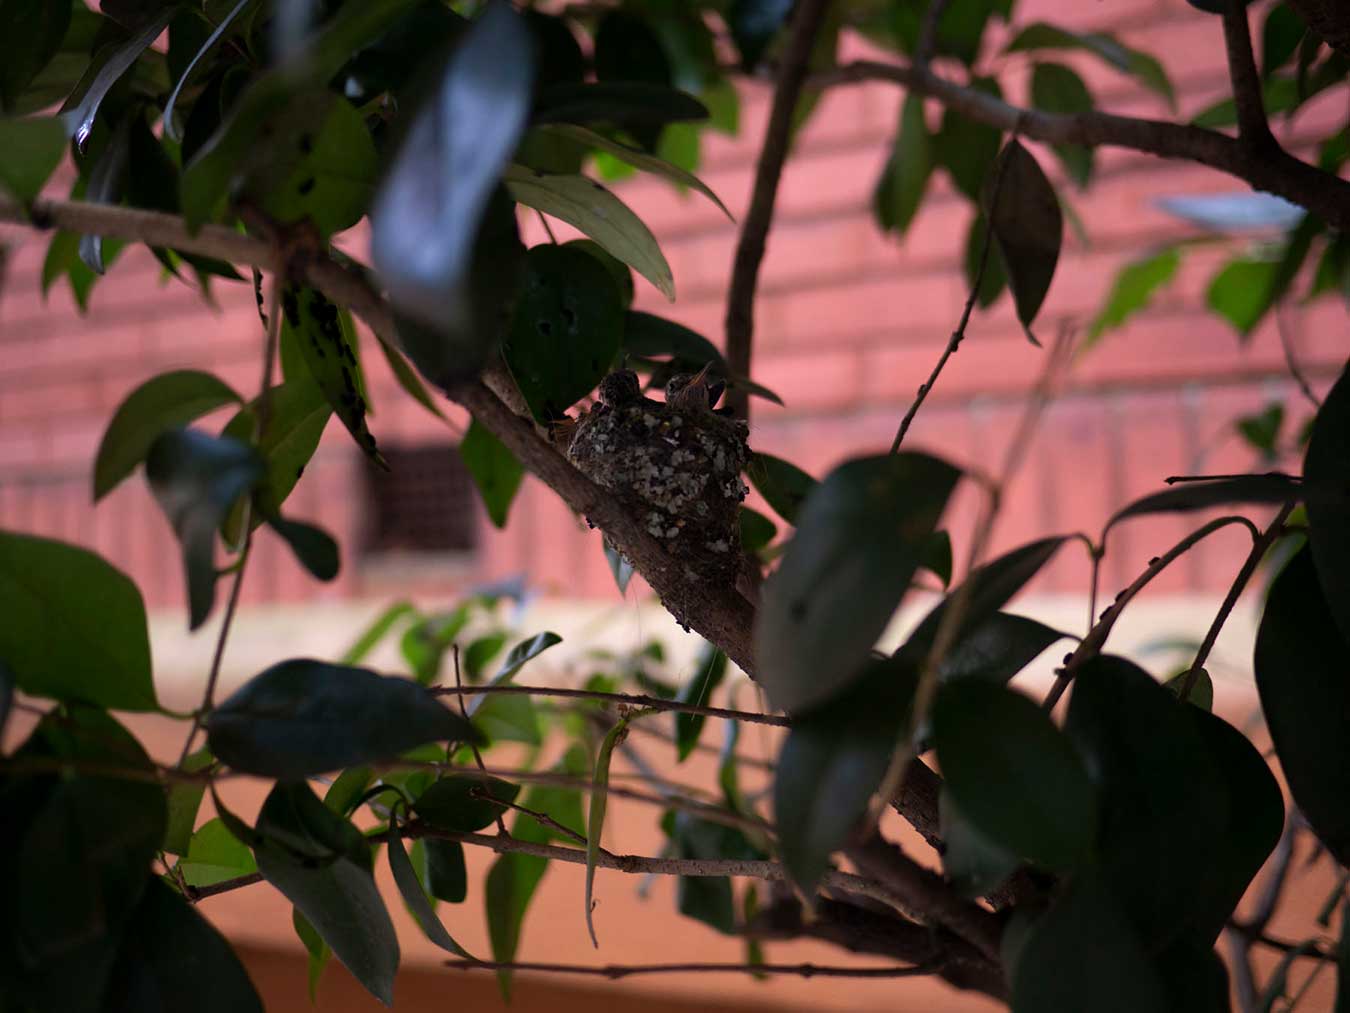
1259 549
542 818
547 228
958 335
928 32
464 710
627 699
1253 128
792 71
1287 345
615 971
1091 645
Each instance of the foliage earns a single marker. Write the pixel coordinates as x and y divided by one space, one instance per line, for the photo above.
1114 844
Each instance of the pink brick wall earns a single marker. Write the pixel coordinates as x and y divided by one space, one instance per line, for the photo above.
849 322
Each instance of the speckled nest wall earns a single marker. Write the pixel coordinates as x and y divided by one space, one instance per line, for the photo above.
677 469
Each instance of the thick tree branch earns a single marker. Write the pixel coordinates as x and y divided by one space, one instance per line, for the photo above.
1274 171
1253 128
740 319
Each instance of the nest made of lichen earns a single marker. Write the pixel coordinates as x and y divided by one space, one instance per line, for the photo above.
678 470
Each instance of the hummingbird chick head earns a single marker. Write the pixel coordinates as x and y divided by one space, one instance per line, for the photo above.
620 388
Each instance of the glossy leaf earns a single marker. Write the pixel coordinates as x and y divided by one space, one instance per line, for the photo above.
326 341
1300 666
495 470
280 723
587 205
426 213
860 538
567 329
165 402
1327 466
454 802
621 103
214 855
1013 774
405 878
171 129
196 479
32 31
172 958
1057 89
105 185
336 893
783 485
973 863
447 878
74 626
33 148
710 669
1134 288
314 548
1236 212
1187 497
1028 227
1139 65
110 63
997 649
832 762
297 415
899 192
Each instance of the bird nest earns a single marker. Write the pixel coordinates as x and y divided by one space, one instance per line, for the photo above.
676 464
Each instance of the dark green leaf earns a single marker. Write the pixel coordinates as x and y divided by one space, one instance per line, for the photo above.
313 547
454 802
480 652
337 894
757 531
427 212
105 185
783 485
900 190
618 270
31 31
111 61
937 556
326 341
968 149
318 952
215 855
185 798
595 818
1057 89
860 537
620 103
707 898
995 277
1240 293
33 148
753 24
6 693
588 206
1327 466
281 722
567 329
170 124
1280 36
377 630
196 479
1262 429
832 762
1139 65
1083 954
974 864
171 958
1186 497
520 655
405 878
710 669
407 378
165 402
495 470
447 879
1028 227
1134 288
424 643
1013 774
997 649
646 335
1202 692
1300 666
74 626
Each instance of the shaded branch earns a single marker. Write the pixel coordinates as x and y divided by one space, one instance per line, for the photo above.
1274 171
1253 127
627 699
792 71
614 971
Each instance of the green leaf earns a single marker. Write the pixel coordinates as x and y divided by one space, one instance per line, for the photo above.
1057 89
519 656
757 531
456 803
860 537
1202 692
280 723
595 821
196 479
973 863
106 182
33 148
31 31
620 103
710 669
1028 227
646 335
1013 774
171 129
1240 292
1133 289
1139 65
314 548
1300 664
215 855
377 630
337 894
297 415
588 206
6 693
407 378
74 626
708 899
900 190
318 952
1262 429
966 148
495 470
1280 37
405 878
995 277
833 760
326 340
637 158
171 958
567 329
1327 466
1083 954
783 485
480 652
165 402
426 215
1187 497
184 799
447 878
110 62
997 649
